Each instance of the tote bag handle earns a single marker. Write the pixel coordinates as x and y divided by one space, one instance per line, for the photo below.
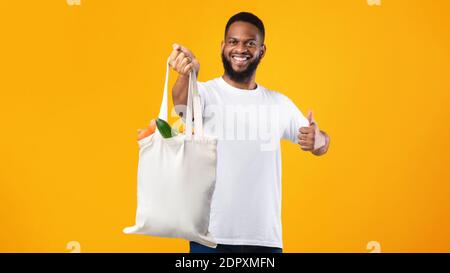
193 105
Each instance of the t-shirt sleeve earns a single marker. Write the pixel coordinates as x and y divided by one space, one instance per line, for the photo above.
294 120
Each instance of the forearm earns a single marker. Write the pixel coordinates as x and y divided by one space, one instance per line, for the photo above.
180 91
322 150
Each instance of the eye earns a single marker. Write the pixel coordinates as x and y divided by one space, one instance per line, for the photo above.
251 43
232 42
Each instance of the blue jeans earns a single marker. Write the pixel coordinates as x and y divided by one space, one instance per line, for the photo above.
198 248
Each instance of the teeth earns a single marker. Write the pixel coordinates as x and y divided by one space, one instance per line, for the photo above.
240 58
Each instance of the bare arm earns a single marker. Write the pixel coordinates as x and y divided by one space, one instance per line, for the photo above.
180 90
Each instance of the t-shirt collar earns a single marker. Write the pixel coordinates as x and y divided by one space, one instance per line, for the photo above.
228 86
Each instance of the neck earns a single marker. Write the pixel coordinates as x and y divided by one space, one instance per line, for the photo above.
250 84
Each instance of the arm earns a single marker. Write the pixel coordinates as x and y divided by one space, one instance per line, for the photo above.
180 90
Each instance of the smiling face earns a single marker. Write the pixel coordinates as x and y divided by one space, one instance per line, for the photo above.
242 50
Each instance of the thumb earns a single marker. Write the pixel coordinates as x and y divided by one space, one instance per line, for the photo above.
311 118
183 49
176 46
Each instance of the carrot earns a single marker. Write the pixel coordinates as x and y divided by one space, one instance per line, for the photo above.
143 133
152 125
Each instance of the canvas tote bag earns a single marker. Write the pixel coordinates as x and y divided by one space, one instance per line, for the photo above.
176 177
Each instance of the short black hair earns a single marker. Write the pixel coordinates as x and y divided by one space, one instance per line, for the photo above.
248 18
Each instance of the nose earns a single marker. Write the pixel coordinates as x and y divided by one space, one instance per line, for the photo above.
241 48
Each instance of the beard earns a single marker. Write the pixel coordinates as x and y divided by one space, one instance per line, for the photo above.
241 76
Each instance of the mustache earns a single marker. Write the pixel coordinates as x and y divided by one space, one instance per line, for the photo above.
240 76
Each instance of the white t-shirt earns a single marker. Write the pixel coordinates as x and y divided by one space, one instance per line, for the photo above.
249 124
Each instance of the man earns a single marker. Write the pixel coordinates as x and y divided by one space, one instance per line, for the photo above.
246 205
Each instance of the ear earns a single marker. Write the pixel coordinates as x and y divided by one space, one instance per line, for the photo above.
263 50
222 44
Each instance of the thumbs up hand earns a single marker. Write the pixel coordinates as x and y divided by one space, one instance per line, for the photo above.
311 138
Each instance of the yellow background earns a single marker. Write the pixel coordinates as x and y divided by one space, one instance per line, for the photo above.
77 81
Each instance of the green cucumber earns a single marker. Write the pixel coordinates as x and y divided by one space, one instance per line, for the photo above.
164 128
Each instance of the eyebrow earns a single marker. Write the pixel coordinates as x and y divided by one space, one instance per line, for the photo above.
245 40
